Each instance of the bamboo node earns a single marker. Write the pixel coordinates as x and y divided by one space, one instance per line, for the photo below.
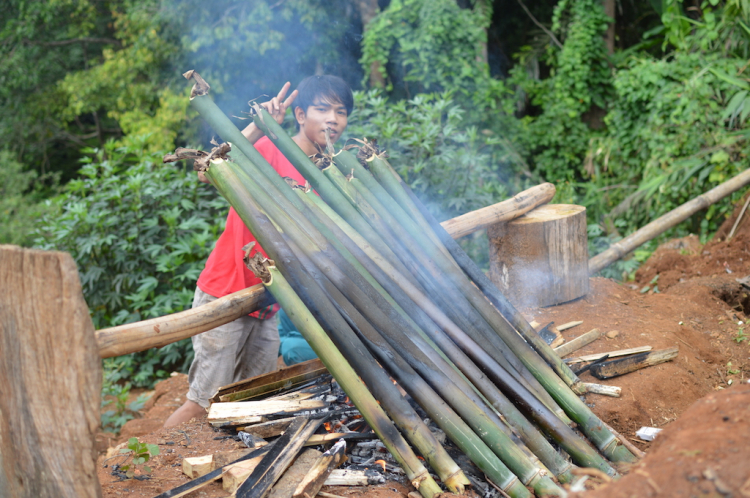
258 264
321 160
200 87
419 479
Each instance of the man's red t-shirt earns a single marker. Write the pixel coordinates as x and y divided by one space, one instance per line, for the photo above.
225 272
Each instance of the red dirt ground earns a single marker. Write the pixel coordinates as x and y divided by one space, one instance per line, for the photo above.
701 398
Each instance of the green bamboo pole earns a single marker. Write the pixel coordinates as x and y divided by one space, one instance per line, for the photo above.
227 183
604 439
529 434
491 432
568 400
385 224
438 410
386 175
284 216
346 162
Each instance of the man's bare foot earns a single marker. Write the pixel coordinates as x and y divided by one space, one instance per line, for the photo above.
188 411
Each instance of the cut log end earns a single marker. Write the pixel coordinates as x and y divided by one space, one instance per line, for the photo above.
541 258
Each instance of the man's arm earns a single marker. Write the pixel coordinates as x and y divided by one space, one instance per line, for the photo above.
276 107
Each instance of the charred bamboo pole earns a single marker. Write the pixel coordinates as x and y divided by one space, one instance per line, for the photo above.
227 183
528 432
568 400
440 412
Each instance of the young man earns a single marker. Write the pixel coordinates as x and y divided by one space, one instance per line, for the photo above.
249 346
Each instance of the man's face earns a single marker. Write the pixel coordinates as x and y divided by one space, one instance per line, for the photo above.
322 115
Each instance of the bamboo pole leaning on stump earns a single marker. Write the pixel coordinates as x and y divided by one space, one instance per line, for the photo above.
667 221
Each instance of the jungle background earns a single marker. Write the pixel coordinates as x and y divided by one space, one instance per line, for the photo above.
630 107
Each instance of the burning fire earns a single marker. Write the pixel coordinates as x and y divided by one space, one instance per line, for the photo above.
381 463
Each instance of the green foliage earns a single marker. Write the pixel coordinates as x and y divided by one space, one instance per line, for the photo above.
675 129
140 453
140 233
20 201
432 45
116 397
569 101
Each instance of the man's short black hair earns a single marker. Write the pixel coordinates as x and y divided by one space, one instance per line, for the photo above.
326 87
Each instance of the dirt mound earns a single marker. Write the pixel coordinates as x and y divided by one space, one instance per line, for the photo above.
678 260
704 453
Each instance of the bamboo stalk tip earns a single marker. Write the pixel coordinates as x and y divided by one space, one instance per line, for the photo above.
200 87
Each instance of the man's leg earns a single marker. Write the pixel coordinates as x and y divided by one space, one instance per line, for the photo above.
261 349
213 365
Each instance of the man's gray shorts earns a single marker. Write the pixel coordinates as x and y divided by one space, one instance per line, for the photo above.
235 351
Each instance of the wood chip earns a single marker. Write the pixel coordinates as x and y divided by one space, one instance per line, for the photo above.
612 354
569 325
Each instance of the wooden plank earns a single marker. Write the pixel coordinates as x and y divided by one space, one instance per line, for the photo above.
285 487
235 474
268 429
577 343
198 483
239 412
49 368
622 366
611 354
278 459
194 467
612 391
316 476
283 379
569 325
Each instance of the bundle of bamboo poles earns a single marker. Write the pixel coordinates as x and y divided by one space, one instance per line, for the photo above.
380 290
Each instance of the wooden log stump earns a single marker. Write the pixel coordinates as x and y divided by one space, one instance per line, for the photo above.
541 258
50 378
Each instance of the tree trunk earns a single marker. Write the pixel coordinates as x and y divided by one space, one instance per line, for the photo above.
368 9
50 378
609 36
541 258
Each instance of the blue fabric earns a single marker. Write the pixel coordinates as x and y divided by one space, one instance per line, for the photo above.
293 348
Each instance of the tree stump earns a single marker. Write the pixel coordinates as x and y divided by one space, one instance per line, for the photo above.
50 378
541 258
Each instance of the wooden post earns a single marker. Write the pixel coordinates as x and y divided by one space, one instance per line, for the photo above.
50 378
541 258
